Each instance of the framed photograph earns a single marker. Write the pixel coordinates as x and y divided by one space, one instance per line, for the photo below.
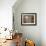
28 18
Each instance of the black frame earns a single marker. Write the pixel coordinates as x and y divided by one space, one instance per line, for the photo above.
34 14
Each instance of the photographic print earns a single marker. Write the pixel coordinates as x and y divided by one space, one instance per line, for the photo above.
28 18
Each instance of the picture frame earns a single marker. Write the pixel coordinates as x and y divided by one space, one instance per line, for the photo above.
29 19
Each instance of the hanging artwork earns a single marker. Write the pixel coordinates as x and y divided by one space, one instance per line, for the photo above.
28 18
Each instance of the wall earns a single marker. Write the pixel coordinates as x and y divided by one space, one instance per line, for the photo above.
6 16
43 22
29 32
6 13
